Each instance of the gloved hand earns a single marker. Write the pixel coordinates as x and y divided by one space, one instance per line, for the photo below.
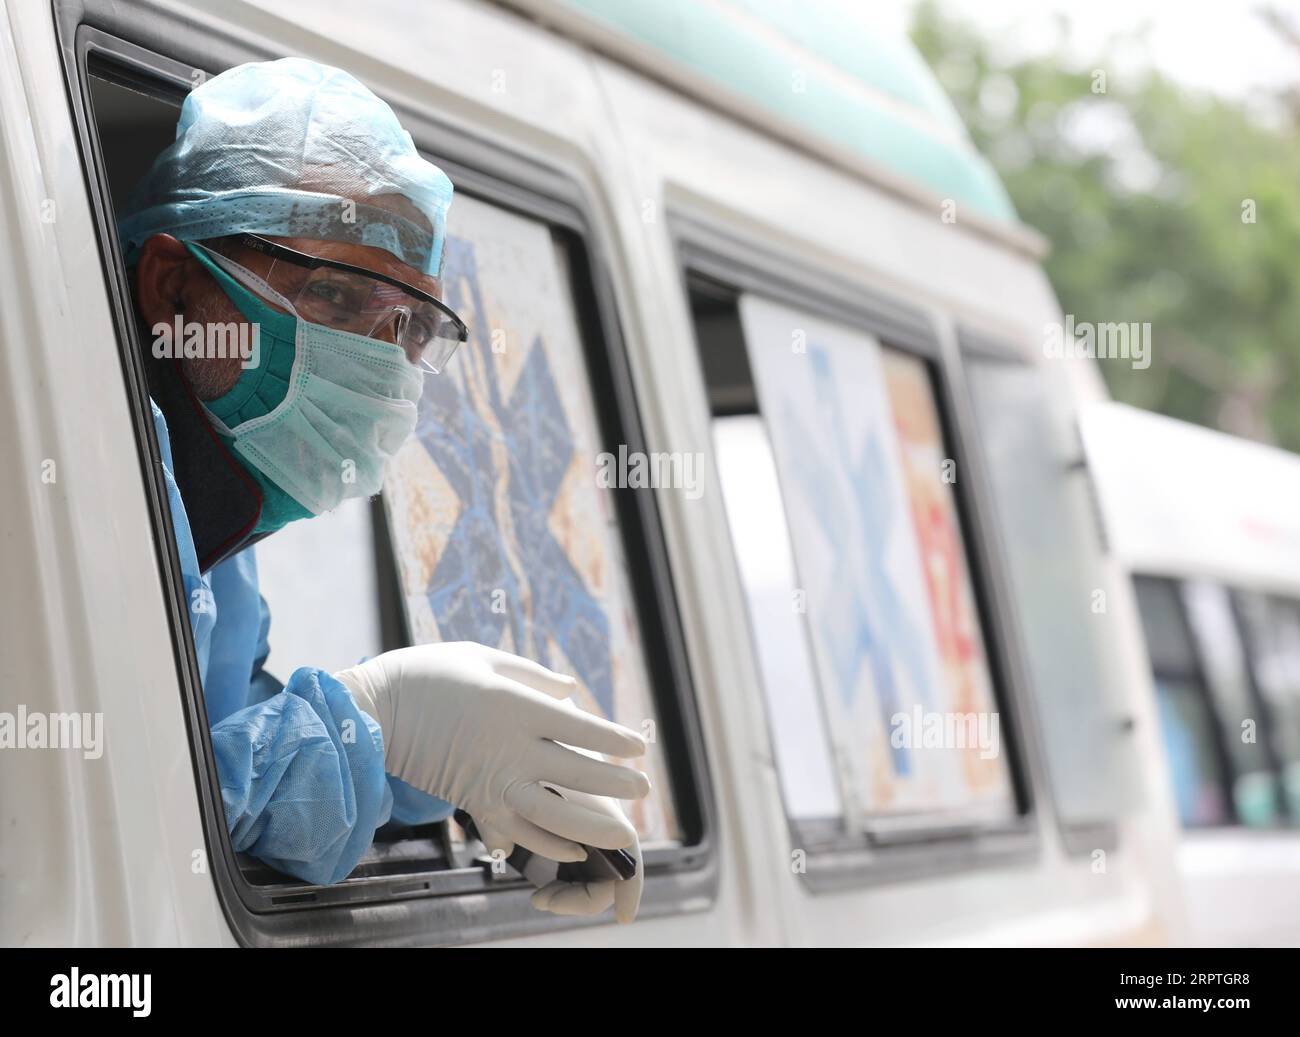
591 898
480 728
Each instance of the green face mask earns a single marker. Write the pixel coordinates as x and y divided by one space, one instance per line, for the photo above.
323 410
260 389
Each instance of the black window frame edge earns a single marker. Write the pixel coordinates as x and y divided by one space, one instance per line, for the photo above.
1194 670
1082 837
718 258
149 44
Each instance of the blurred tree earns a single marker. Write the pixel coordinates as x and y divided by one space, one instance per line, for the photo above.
1146 191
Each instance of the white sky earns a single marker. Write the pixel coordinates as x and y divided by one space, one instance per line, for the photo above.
1221 46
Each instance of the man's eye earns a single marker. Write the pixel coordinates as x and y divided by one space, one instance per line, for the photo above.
328 292
420 331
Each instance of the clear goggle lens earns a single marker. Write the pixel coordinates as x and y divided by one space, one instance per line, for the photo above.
353 302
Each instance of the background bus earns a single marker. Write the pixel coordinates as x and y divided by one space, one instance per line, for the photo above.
1209 525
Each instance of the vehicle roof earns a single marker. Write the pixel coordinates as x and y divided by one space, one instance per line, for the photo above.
1181 500
861 89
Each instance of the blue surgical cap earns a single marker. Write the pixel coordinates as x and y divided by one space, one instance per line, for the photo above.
292 148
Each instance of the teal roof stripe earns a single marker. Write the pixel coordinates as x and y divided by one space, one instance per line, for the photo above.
829 31
743 46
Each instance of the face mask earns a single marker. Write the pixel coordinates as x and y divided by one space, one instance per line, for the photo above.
349 405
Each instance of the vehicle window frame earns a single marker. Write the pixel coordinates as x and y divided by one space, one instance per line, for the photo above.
151 50
713 259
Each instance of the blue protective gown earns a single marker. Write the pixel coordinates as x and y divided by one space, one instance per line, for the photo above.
301 767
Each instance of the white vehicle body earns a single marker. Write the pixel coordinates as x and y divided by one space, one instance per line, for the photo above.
113 851
1199 508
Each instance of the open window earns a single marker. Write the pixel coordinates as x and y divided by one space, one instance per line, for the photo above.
491 527
842 486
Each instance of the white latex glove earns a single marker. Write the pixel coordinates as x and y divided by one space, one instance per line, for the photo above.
480 728
591 898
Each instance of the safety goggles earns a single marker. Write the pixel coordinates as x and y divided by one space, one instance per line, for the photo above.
363 302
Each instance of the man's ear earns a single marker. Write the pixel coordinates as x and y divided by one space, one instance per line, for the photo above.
161 275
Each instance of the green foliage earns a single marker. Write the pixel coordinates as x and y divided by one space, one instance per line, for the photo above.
1140 188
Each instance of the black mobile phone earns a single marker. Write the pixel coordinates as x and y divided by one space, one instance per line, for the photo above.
600 865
